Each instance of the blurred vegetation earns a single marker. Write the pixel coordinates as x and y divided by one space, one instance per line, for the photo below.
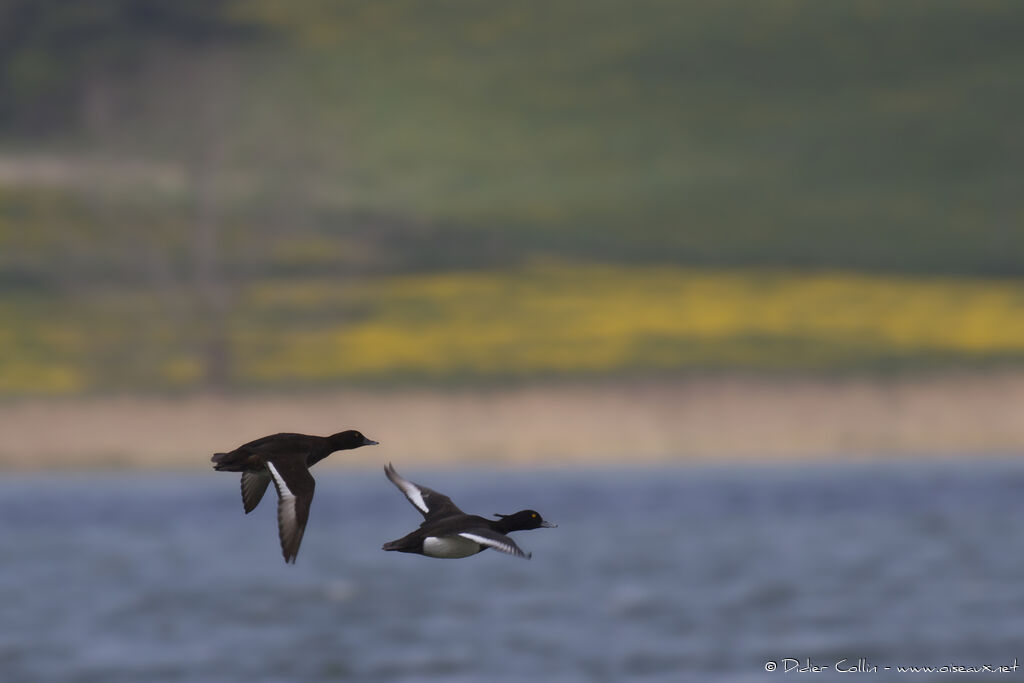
161 162
545 320
54 53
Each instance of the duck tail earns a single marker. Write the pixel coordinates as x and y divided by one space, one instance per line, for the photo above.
403 545
223 462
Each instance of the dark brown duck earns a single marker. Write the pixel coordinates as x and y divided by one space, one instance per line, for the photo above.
285 459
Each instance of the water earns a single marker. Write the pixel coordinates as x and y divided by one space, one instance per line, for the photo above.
653 575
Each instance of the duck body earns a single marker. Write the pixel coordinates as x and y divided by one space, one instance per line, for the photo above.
449 533
285 459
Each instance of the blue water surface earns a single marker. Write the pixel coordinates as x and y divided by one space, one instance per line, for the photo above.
667 574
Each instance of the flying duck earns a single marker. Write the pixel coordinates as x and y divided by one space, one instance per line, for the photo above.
285 459
448 532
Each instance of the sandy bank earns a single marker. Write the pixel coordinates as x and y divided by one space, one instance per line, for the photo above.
730 418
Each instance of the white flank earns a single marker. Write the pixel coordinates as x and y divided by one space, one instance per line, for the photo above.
450 547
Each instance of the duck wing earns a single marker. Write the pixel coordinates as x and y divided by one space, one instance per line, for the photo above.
430 503
492 539
295 487
254 485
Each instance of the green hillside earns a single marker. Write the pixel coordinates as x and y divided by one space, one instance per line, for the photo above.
868 135
871 135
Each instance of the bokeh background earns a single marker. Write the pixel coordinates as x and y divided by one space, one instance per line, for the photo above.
340 202
728 241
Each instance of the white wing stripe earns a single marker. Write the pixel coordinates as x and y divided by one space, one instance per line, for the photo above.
490 542
413 493
287 519
282 488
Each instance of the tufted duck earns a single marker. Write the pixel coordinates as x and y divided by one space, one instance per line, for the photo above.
285 458
448 532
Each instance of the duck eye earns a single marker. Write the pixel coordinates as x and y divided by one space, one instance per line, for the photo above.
534 515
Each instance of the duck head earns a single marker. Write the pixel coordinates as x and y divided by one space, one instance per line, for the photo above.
524 520
349 439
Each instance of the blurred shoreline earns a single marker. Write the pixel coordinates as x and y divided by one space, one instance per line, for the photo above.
735 418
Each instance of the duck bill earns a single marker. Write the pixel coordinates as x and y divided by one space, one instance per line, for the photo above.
548 525
370 442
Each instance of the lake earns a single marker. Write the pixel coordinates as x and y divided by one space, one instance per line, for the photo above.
665 574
